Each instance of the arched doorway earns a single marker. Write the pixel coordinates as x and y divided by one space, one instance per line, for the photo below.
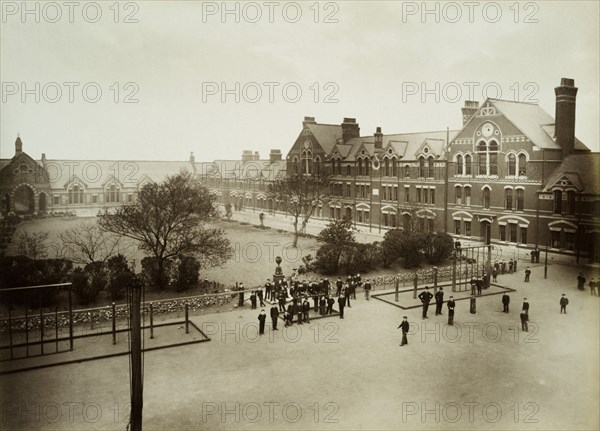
24 199
42 202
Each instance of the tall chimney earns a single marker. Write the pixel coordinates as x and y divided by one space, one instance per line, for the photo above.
378 138
308 120
247 156
18 146
256 155
564 123
275 156
469 110
192 158
350 129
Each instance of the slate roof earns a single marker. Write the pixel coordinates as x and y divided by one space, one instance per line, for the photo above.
583 170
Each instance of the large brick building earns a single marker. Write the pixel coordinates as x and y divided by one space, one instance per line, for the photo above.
512 174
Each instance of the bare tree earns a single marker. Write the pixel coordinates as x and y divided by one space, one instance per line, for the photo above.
300 196
87 243
32 245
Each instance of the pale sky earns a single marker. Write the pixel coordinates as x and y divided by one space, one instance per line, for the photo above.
374 63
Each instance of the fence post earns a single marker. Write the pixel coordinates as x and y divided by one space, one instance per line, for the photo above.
114 323
71 318
41 328
397 283
435 279
56 324
187 316
415 282
151 320
454 271
10 334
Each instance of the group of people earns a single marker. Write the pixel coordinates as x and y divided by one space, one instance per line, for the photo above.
292 300
593 284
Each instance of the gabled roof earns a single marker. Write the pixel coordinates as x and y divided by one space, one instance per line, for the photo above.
583 170
532 120
327 135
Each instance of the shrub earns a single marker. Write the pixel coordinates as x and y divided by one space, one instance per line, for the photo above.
187 273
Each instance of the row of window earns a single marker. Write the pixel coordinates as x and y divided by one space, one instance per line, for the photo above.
487 164
388 219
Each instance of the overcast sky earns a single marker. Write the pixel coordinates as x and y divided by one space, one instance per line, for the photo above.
373 64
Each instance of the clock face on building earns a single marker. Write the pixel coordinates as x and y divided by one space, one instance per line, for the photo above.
306 145
487 130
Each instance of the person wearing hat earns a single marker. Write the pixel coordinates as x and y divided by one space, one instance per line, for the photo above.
305 309
338 285
367 289
274 316
451 305
505 302
439 301
563 303
330 302
527 274
405 326
268 288
342 304
425 297
262 317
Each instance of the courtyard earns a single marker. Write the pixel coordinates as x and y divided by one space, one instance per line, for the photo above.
482 373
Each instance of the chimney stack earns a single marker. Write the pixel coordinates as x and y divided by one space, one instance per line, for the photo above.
564 123
275 156
350 129
18 146
469 110
308 120
44 159
378 139
247 156
192 158
256 155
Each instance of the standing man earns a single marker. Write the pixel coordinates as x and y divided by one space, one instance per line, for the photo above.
260 296
525 307
261 217
505 302
253 300
527 274
524 320
479 284
439 301
323 306
593 284
425 297
367 289
298 307
305 309
347 293
342 304
405 326
473 283
451 304
282 301
580 281
268 288
274 316
563 303
338 285
262 317
330 302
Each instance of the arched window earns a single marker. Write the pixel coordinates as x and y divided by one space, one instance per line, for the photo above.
486 195
557 202
467 193
459 165
512 165
520 199
522 164
317 165
360 167
386 167
75 194
339 166
508 199
481 158
493 158
430 165
406 171
458 195
113 192
468 164
367 167
394 168
421 167
571 210
307 161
